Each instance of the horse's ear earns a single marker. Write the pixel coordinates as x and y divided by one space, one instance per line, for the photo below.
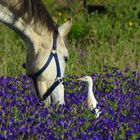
65 28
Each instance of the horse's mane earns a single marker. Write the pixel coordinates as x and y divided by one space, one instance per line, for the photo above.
30 11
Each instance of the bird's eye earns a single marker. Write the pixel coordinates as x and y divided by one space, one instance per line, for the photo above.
66 59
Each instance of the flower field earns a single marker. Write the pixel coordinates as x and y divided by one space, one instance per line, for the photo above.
118 95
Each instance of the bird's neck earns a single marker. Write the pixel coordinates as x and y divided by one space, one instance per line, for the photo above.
90 87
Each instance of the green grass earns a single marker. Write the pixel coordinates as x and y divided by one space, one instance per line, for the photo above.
12 53
95 40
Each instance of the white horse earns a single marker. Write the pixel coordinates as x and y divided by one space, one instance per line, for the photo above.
46 51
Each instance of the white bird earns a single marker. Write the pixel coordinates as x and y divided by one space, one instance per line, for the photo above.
91 100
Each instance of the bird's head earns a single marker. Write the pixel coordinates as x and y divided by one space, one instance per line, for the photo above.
86 79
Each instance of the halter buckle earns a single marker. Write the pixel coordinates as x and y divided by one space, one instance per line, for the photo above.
60 80
53 51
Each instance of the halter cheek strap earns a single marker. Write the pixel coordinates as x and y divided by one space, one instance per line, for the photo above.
58 80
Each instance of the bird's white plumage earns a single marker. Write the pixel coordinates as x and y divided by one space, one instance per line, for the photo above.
91 100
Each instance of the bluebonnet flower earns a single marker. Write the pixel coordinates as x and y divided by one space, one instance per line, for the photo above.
108 75
126 69
118 101
134 73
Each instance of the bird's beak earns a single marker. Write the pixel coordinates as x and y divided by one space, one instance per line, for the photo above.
81 79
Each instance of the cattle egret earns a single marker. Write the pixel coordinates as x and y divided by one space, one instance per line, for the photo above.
91 100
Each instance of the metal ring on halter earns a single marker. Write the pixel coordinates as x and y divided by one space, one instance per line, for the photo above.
53 51
60 80
40 101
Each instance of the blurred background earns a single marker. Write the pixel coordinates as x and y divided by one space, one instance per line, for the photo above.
103 33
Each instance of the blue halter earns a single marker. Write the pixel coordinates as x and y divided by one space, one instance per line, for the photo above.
58 80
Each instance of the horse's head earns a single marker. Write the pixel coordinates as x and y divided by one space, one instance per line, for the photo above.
47 61
46 50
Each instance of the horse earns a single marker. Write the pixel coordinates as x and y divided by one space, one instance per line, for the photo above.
46 51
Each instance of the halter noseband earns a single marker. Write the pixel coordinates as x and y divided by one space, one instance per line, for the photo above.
58 80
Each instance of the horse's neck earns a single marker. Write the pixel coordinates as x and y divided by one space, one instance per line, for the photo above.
7 17
28 32
32 34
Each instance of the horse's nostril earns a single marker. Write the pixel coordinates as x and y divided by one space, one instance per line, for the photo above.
66 59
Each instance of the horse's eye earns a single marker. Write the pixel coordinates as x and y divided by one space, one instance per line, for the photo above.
66 59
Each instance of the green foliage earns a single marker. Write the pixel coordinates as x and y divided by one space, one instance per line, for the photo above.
15 114
12 52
